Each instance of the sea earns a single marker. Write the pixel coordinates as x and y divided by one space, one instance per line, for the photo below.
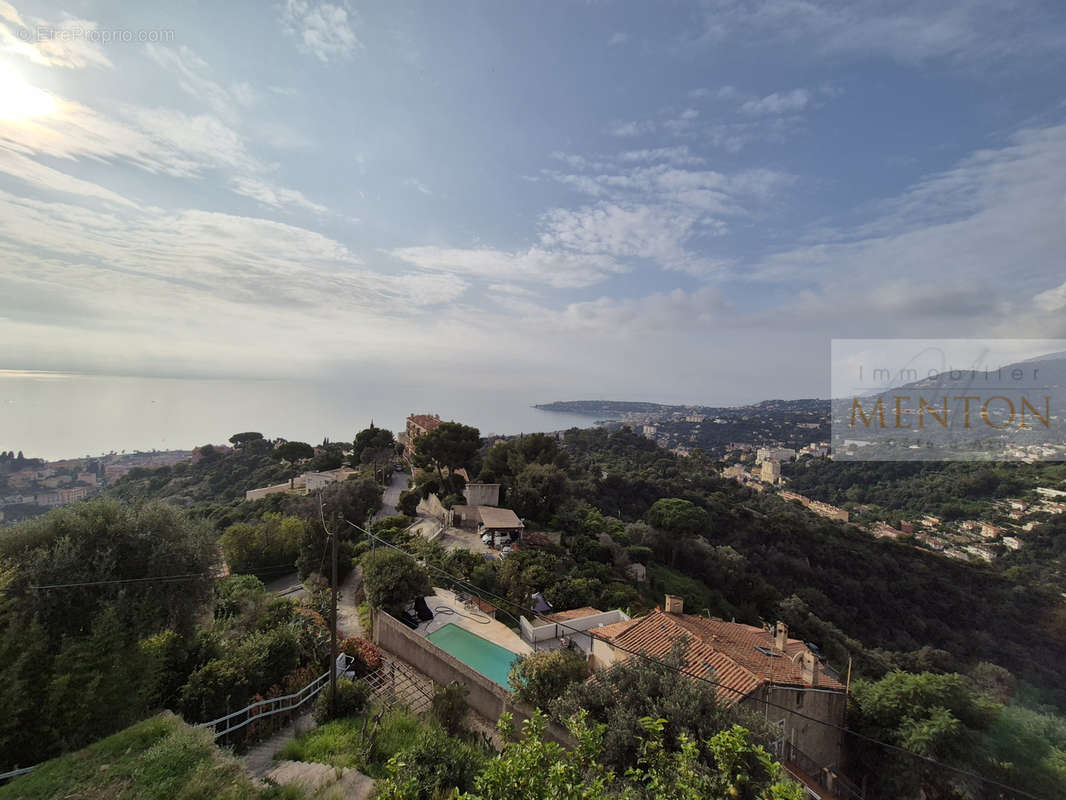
55 415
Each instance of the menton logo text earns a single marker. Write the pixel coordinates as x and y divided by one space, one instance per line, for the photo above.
997 411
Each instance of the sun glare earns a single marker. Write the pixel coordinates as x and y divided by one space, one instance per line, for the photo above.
19 100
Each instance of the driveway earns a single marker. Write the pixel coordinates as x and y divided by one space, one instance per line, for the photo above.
397 484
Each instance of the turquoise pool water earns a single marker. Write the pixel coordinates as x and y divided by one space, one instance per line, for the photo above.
486 657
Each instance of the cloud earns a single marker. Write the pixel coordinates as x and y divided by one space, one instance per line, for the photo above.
987 231
554 268
70 43
321 29
674 311
679 156
912 32
416 184
618 38
94 275
193 75
631 128
1051 300
156 140
778 103
40 177
273 196
651 207
655 233
682 121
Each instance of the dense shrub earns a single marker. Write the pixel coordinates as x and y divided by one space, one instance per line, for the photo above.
272 542
367 656
408 502
393 579
436 764
540 677
352 699
450 707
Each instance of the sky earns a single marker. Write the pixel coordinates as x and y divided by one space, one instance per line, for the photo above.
681 202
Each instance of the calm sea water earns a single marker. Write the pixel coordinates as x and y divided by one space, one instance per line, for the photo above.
63 415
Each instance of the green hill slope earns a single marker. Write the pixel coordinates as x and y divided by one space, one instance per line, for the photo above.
161 758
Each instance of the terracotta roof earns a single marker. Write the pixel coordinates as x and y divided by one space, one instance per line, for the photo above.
492 517
725 652
574 613
610 631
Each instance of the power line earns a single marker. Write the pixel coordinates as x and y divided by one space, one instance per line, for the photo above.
148 579
642 655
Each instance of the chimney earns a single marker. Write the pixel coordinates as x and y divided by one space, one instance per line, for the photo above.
780 636
674 604
810 668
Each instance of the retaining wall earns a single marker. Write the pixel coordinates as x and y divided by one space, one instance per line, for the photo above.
485 696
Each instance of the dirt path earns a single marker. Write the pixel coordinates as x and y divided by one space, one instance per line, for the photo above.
347 609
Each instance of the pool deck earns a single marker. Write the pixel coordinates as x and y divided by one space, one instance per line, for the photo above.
493 631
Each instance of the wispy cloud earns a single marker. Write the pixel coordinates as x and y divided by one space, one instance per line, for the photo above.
912 32
322 29
618 38
156 140
417 185
543 266
778 103
194 77
67 43
631 128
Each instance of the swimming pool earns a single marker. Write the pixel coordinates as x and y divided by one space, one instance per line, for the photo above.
486 657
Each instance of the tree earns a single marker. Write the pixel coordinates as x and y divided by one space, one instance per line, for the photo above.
354 500
272 542
104 540
380 459
936 716
371 438
681 519
651 690
450 707
541 676
393 579
532 769
408 503
240 439
539 491
451 446
293 453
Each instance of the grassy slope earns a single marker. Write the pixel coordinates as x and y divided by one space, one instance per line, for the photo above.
340 743
158 759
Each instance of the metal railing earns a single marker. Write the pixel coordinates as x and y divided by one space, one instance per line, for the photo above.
10 776
274 705
247 715
795 760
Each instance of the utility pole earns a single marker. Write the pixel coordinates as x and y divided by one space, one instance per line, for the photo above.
333 617
333 630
